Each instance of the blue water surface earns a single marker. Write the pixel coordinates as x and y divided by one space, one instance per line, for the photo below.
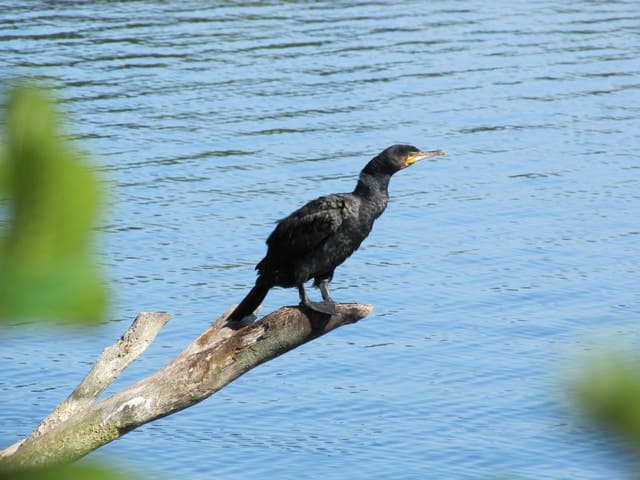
490 271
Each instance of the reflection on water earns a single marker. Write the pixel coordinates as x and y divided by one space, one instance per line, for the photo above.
489 268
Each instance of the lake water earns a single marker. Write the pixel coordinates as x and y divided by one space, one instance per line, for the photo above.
492 269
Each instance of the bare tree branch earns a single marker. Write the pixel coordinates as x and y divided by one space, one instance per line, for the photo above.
108 367
217 357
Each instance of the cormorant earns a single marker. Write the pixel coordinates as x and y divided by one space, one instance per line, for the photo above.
315 239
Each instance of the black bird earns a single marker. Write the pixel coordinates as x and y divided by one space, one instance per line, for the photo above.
315 239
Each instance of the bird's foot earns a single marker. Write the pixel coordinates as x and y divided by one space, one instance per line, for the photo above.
328 308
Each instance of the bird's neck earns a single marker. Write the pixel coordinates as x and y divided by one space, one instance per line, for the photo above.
373 187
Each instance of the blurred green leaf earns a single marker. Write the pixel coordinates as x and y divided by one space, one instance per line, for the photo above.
46 267
609 391
69 472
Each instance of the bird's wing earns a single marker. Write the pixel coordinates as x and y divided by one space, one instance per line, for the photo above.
309 226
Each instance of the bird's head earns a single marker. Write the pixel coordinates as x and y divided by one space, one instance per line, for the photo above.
397 157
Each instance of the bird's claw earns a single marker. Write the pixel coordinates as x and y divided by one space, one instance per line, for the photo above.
328 308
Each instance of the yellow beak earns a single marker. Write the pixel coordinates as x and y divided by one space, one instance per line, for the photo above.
417 156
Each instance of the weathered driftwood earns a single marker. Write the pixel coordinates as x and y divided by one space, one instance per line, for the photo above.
221 354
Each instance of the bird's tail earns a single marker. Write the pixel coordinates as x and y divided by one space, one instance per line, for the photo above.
253 299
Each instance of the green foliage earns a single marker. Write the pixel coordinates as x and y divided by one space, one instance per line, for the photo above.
609 391
47 271
46 267
68 472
